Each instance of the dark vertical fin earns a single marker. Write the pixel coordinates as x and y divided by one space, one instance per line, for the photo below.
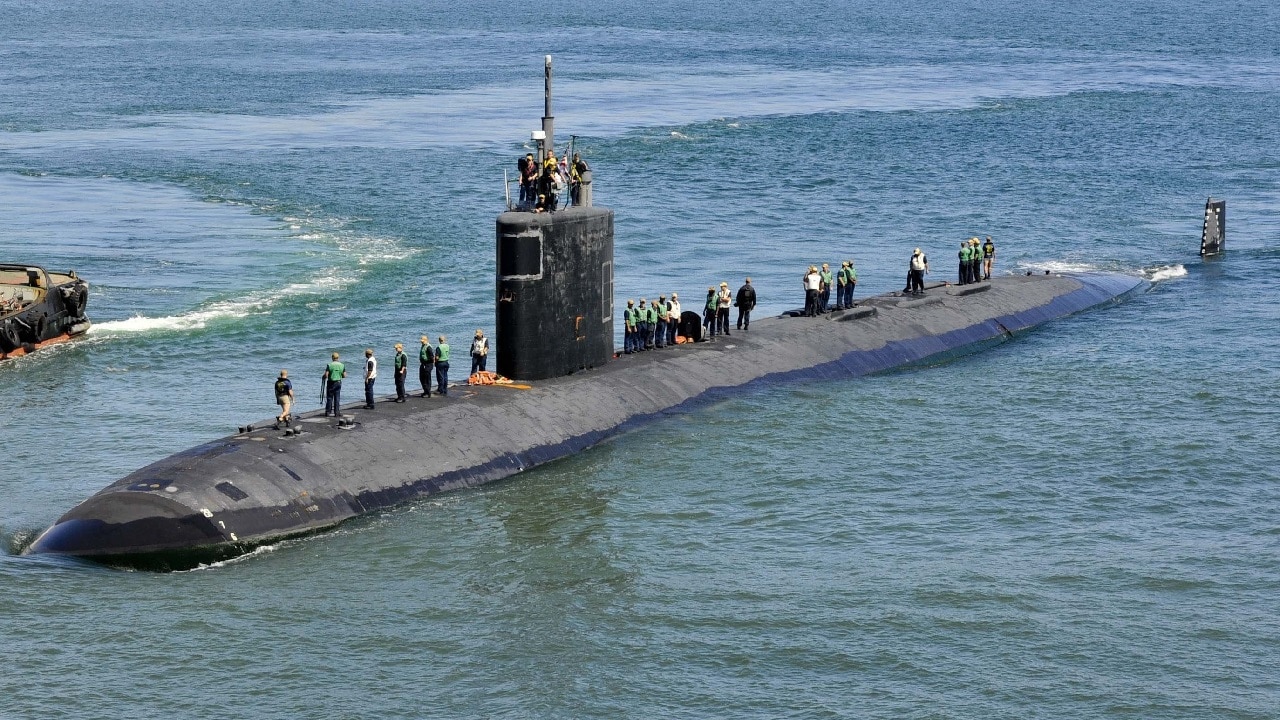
1213 239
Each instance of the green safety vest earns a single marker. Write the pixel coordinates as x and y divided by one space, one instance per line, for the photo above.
629 316
442 352
426 355
713 302
336 369
852 274
964 254
401 360
826 278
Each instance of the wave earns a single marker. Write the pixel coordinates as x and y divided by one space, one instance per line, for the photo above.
256 304
1151 274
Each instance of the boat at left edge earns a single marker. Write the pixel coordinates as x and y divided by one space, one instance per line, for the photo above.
39 308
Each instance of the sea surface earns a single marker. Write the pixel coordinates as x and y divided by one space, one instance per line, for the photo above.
1083 522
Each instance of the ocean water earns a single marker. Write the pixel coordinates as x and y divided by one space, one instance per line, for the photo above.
1081 523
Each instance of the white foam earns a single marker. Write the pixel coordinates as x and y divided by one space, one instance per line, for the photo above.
258 303
1164 272
260 550
1063 266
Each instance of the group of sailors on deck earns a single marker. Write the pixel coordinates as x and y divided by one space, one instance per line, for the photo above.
432 360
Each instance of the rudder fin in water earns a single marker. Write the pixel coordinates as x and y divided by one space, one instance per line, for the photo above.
1213 238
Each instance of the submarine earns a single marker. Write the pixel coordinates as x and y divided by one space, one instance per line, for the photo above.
262 484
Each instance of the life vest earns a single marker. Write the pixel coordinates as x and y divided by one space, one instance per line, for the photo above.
917 261
336 369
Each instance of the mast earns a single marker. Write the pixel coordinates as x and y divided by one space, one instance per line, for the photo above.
548 121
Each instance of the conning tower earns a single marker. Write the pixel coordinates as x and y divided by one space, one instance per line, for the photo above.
554 304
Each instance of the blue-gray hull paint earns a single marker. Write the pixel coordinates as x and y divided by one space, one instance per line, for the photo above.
224 497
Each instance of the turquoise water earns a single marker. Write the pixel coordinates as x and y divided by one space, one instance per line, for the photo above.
1079 523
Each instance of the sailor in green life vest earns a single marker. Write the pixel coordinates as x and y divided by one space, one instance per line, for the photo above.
824 293
642 325
659 310
975 260
333 374
848 280
964 262
284 398
988 258
426 359
650 324
442 366
401 366
629 328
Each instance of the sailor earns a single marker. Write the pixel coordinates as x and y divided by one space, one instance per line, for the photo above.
746 302
988 258
402 372
629 328
919 266
576 170
724 302
660 327
284 398
549 183
824 293
812 284
442 366
709 314
333 374
651 332
964 262
522 169
426 358
642 325
370 375
479 352
673 319
975 260
850 274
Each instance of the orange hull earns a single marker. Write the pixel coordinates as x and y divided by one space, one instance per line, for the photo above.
19 352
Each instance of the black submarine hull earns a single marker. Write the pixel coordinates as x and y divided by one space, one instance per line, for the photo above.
227 496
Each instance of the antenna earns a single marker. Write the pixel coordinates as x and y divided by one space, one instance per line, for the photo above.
548 120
